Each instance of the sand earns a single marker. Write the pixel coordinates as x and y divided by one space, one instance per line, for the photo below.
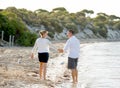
18 70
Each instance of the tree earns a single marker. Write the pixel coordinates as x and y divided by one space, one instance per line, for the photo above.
71 26
117 25
102 14
41 11
113 17
80 14
59 9
87 12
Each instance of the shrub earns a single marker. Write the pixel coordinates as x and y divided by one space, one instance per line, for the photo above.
71 26
27 39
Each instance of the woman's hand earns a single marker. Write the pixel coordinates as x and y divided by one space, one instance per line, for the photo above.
32 55
60 50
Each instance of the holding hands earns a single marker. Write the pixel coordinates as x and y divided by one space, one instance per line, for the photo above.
60 50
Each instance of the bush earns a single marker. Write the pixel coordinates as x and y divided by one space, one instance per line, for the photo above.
27 39
103 32
7 27
117 25
71 26
51 34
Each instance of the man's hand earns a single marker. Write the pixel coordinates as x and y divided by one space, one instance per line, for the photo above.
32 55
60 50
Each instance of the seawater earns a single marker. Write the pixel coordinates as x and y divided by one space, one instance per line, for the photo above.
98 66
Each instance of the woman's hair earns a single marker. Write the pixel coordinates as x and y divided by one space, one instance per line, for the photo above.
42 32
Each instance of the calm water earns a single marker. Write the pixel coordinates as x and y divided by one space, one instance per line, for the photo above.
99 66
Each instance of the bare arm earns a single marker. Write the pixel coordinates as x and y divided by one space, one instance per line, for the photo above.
34 49
66 47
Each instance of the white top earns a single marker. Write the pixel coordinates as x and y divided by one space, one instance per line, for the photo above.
73 47
42 45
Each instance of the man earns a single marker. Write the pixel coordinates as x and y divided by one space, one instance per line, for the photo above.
73 47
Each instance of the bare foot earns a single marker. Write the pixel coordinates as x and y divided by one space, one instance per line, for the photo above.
44 78
41 78
74 82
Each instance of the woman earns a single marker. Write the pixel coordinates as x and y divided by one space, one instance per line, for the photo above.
42 45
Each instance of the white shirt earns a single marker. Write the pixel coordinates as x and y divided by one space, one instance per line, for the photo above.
73 47
42 45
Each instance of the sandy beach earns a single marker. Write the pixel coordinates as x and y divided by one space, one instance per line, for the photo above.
18 70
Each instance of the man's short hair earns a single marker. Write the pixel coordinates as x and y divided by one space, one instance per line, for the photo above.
71 31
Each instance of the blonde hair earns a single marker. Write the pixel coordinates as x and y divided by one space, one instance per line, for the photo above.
42 32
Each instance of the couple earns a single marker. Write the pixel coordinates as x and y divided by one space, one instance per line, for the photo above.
72 46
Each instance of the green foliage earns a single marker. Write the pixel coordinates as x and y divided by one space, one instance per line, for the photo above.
71 26
103 32
12 25
27 39
100 18
51 34
6 26
113 17
87 12
82 21
80 14
99 27
41 11
62 9
117 25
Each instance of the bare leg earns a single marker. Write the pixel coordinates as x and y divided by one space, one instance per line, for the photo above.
41 69
44 72
73 75
76 74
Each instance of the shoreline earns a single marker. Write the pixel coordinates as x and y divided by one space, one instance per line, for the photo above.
82 41
88 40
